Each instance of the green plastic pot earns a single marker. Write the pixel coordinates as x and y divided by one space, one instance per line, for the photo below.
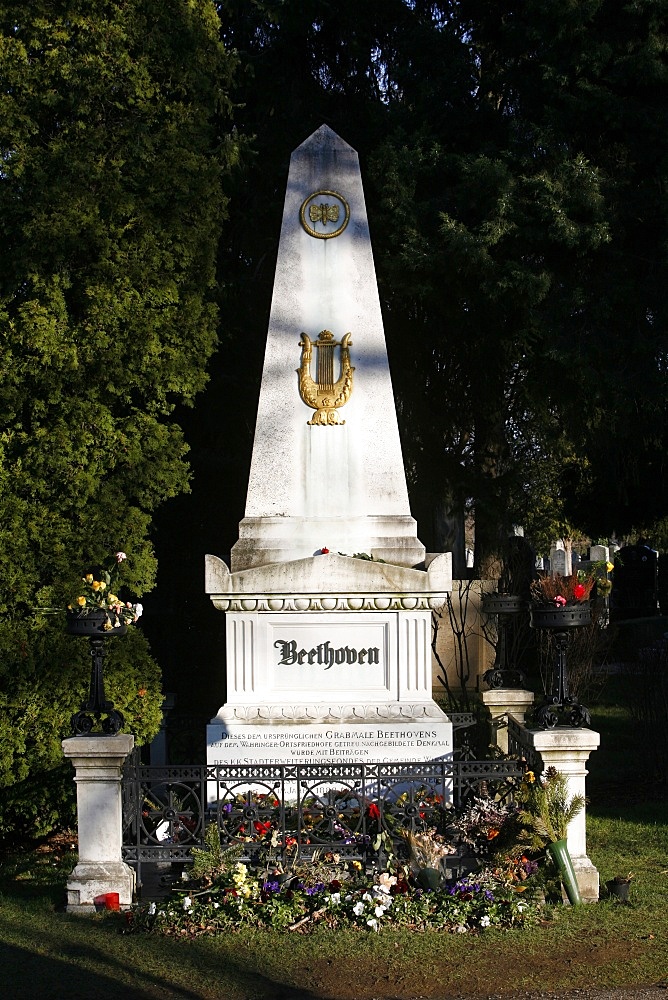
429 878
562 859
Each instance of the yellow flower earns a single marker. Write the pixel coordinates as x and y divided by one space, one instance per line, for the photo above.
88 578
81 601
357 865
609 567
113 599
96 584
530 777
102 586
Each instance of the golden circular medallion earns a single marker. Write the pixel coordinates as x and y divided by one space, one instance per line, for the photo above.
324 214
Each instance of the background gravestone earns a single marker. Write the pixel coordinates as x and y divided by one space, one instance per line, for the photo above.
634 583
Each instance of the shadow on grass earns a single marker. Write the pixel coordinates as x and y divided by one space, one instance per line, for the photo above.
72 957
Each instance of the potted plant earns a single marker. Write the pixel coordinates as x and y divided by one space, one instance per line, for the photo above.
97 612
548 811
560 602
619 886
97 609
427 850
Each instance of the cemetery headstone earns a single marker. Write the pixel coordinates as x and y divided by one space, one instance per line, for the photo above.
329 594
634 583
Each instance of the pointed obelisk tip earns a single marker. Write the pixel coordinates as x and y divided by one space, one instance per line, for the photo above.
324 137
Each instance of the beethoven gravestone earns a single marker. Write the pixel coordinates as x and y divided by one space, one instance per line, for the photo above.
328 655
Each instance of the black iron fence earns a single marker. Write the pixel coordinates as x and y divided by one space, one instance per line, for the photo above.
350 809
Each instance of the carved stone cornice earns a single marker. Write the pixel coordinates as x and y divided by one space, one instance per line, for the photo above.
329 602
327 713
329 583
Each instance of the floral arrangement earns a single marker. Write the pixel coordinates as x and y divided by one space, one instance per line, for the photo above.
352 900
602 570
547 809
481 824
561 591
427 848
99 593
261 879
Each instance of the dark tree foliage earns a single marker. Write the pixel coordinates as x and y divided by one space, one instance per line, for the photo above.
514 159
110 211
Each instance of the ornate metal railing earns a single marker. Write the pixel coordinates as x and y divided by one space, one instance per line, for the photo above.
521 747
325 807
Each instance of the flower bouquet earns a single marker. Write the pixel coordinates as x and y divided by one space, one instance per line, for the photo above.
97 607
427 849
548 810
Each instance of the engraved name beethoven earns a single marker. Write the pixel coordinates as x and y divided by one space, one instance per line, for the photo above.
325 654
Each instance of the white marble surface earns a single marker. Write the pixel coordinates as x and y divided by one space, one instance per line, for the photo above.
314 486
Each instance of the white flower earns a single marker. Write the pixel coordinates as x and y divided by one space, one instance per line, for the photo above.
335 897
216 906
187 903
358 909
379 911
485 922
151 910
120 556
380 891
138 609
372 923
367 898
461 929
521 907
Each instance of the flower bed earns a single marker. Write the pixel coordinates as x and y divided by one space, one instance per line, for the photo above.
261 881
368 903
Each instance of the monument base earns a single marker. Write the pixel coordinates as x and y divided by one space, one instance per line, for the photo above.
360 742
318 743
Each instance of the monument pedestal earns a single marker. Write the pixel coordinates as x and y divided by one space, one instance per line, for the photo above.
338 670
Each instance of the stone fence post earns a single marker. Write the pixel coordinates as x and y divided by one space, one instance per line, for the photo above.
568 751
98 761
501 703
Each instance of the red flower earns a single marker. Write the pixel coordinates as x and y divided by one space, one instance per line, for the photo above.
373 812
262 828
324 551
579 590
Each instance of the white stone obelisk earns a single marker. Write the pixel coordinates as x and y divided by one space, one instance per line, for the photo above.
341 487
328 656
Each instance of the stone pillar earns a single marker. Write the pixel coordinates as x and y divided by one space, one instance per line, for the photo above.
568 751
501 703
97 761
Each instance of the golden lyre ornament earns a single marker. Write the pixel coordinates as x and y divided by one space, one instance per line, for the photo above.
324 394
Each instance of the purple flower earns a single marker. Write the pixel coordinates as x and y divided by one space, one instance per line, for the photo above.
227 808
271 886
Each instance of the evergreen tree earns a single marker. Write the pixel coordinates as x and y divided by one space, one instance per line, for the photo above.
110 211
530 263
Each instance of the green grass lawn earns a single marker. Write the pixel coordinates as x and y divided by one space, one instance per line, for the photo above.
49 954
